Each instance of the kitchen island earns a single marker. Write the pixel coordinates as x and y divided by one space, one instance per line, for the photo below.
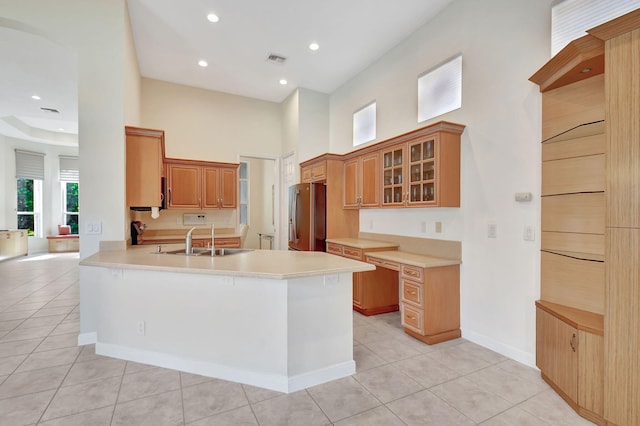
280 320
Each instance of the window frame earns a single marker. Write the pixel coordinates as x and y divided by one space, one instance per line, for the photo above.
65 212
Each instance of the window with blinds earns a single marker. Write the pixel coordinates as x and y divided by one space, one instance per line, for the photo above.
69 169
570 19
29 177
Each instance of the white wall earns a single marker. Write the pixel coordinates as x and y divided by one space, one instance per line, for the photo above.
211 126
503 42
313 124
52 206
95 31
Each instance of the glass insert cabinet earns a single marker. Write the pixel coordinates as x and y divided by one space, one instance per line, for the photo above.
424 172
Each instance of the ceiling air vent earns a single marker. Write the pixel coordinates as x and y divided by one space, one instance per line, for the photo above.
276 59
53 110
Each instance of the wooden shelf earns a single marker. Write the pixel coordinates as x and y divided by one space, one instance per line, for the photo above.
577 255
577 318
581 131
569 65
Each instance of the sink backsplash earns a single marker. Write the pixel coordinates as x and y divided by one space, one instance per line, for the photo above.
174 219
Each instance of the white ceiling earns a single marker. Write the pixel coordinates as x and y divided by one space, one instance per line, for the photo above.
172 36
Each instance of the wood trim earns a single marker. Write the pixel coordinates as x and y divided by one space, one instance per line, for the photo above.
377 310
577 318
566 66
186 162
435 338
616 27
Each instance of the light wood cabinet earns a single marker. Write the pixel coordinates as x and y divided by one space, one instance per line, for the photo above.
592 169
374 292
362 181
430 302
201 185
144 164
220 188
421 173
13 243
314 172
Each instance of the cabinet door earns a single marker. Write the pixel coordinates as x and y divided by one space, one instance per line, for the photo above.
393 163
228 188
351 193
357 289
211 182
370 180
145 152
305 174
422 173
184 186
556 352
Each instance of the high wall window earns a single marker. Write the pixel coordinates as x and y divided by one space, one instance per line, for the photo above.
571 18
244 193
364 124
29 177
440 89
69 178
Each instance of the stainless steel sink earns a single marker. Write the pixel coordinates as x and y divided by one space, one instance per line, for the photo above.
198 251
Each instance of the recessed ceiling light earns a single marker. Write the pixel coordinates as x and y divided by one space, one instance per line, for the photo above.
36 97
586 70
212 17
314 46
203 63
60 129
283 81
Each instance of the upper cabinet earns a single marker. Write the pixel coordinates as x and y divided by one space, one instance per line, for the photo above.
422 173
315 172
201 185
362 181
145 154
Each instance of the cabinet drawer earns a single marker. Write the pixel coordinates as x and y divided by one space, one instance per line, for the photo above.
412 318
353 253
412 293
412 272
334 249
395 266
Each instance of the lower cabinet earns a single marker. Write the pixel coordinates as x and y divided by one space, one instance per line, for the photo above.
13 243
571 361
374 292
431 302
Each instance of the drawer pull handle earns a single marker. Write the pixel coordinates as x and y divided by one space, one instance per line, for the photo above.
571 342
412 292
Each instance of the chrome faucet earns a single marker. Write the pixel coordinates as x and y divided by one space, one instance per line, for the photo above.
188 243
213 239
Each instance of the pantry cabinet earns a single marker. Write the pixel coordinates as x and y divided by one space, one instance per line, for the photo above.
362 181
144 165
201 185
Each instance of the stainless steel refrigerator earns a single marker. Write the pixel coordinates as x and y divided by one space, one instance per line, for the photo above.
307 217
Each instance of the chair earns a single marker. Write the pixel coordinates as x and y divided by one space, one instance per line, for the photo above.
244 229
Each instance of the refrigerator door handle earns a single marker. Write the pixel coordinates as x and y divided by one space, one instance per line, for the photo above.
293 221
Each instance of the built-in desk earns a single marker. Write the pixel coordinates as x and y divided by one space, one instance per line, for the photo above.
425 288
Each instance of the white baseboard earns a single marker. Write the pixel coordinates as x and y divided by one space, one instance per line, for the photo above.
87 338
523 357
280 383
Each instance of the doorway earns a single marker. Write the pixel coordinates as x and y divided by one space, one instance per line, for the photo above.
258 205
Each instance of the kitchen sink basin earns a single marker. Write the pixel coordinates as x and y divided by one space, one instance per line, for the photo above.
197 251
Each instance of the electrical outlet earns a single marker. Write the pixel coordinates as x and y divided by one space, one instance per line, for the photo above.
492 230
331 279
141 328
529 233
423 226
93 227
439 228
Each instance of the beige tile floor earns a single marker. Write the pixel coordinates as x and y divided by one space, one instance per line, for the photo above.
46 379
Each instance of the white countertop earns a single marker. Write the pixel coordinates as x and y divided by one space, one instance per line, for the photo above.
361 243
273 264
